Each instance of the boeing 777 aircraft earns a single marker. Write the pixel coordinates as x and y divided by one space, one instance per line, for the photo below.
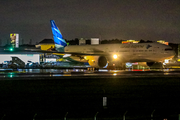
99 55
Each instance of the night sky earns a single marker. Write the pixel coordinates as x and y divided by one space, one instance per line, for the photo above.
108 19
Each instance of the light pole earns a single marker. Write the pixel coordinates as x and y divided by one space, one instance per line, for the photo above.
95 115
65 116
152 114
3 116
104 99
124 115
34 116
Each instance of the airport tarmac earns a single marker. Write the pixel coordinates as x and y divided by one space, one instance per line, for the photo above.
28 73
82 95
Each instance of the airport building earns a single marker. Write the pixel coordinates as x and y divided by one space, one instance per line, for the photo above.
12 57
15 59
129 41
91 41
82 41
46 44
14 40
94 41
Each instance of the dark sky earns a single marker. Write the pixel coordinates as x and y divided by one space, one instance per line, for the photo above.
110 19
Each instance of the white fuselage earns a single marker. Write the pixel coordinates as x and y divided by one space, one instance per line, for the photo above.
140 52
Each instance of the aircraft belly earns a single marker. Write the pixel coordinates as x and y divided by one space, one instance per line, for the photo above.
143 58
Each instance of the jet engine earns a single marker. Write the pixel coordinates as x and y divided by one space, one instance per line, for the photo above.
150 64
97 61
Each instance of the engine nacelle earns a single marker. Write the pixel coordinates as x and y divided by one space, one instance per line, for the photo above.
78 59
150 64
97 61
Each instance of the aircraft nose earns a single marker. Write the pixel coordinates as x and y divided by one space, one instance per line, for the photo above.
171 51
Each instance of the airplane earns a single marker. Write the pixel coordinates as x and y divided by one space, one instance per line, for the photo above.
98 56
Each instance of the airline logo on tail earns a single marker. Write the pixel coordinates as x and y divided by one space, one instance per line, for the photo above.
58 39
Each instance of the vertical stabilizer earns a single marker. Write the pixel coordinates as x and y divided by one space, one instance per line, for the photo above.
60 43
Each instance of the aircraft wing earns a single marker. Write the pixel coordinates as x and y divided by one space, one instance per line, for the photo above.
91 53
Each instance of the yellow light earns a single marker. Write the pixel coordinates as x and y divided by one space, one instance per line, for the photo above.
115 56
166 61
114 74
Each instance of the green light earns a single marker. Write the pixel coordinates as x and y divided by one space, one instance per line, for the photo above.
11 49
11 75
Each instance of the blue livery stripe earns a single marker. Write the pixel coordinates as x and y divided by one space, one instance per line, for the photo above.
58 39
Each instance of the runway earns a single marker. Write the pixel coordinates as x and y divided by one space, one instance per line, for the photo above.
52 73
82 95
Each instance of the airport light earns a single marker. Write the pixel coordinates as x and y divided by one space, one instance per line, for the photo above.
3 116
115 56
34 116
114 74
11 75
166 61
124 118
11 49
65 115
95 115
152 114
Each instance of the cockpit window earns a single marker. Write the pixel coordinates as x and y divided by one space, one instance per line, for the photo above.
167 49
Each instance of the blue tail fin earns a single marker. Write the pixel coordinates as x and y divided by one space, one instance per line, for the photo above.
60 43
